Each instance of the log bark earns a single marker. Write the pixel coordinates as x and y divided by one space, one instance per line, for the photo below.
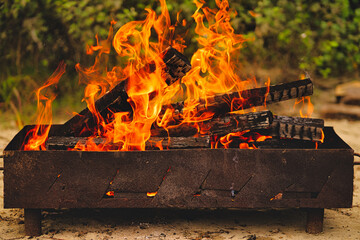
65 143
283 127
310 129
116 100
222 104
221 125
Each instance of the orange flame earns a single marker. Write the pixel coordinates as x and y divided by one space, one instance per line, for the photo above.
245 139
214 71
38 135
306 108
110 193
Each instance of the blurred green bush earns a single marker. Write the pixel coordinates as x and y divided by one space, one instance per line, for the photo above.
321 37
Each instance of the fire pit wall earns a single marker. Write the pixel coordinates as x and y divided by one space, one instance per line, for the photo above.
188 178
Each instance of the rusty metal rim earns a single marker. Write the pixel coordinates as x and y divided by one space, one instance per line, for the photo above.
355 163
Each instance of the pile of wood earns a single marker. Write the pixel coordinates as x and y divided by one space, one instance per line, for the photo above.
281 131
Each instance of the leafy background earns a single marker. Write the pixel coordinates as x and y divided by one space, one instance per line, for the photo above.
320 38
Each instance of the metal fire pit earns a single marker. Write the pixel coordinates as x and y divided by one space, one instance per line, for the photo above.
190 178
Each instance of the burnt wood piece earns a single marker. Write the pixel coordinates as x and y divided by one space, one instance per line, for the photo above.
314 220
222 104
310 129
221 125
269 143
64 143
32 219
116 100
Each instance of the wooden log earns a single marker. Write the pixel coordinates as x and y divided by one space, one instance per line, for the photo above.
287 132
222 104
116 100
296 128
255 140
65 143
221 125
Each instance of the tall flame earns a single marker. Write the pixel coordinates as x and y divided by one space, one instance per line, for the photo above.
38 135
214 71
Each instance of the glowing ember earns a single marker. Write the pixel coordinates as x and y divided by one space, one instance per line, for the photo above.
151 194
110 193
277 197
244 139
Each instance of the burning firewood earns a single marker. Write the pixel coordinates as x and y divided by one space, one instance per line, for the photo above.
223 125
181 136
296 128
116 100
65 143
306 129
222 104
284 132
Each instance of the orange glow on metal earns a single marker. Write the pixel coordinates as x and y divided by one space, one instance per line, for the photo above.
151 194
277 197
110 193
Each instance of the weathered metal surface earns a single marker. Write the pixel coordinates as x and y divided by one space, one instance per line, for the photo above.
32 222
190 178
314 220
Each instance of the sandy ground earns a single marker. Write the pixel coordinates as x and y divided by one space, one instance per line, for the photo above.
184 224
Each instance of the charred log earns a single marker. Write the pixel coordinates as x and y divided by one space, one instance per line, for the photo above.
297 128
310 129
65 143
222 104
284 132
116 100
220 125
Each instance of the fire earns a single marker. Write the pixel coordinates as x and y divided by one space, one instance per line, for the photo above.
141 45
306 108
244 140
214 71
38 135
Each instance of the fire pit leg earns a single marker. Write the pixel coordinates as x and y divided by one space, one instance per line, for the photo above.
32 222
314 220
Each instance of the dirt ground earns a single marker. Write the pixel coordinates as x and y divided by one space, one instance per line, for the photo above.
184 224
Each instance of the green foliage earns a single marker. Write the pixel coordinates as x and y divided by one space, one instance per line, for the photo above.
321 36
